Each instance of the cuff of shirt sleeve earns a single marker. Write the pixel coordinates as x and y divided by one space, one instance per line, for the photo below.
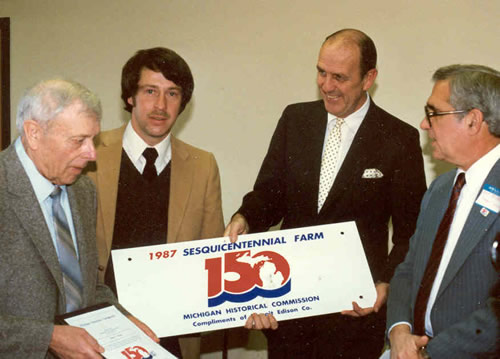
396 324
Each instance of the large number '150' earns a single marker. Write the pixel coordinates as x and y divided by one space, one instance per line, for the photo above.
243 271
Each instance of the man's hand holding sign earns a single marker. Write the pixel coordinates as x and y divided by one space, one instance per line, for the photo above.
239 225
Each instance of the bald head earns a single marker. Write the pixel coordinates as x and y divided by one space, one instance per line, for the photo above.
367 50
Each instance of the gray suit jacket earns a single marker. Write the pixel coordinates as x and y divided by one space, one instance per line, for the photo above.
462 318
31 286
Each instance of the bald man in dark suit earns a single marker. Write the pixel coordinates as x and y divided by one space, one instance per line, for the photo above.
378 176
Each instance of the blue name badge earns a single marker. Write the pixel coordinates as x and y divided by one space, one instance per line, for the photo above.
489 199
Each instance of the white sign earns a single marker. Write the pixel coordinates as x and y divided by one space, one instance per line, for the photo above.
212 284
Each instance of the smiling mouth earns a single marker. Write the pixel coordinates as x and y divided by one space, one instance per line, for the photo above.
332 97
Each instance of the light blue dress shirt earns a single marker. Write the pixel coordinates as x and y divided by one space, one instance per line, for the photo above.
43 188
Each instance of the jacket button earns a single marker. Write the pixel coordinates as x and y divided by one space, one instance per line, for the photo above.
101 268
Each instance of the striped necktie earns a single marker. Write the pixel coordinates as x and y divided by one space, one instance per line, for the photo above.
435 258
72 276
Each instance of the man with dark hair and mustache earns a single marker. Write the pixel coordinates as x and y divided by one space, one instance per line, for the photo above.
152 187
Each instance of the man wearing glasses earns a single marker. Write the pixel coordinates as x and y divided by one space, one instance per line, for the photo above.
440 304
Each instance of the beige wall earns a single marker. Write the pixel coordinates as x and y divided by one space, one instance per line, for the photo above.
249 59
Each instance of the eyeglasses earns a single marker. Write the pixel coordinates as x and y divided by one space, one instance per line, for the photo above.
431 113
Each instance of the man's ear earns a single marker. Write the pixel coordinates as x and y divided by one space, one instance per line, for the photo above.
474 120
131 101
33 133
369 79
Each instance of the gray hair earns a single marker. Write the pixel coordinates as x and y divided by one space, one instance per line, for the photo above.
474 86
46 99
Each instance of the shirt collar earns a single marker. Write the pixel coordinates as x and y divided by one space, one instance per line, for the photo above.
41 185
134 146
356 117
477 173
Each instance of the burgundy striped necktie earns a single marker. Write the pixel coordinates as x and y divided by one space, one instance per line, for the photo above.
435 258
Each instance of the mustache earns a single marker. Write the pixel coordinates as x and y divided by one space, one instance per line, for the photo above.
159 113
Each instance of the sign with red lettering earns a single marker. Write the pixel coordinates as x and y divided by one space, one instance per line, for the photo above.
212 284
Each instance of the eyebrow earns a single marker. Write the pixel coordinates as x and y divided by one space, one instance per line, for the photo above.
157 87
332 73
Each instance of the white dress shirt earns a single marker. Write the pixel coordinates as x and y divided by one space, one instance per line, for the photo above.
134 146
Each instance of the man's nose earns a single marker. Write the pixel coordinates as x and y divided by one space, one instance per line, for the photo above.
328 84
90 151
425 124
161 102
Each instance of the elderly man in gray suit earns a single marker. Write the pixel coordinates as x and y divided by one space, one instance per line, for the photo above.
440 304
48 256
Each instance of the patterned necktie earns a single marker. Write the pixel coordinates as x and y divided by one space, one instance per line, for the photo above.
150 154
329 161
72 276
435 258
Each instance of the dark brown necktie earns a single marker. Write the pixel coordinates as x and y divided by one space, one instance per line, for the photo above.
435 258
149 173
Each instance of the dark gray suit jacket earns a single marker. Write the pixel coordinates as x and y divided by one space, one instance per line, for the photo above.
31 286
463 321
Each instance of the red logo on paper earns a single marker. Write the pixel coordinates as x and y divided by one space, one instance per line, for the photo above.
136 352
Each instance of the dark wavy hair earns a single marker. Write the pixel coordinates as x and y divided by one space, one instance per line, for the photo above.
158 59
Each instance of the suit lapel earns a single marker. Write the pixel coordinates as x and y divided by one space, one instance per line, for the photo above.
475 225
433 214
313 135
108 162
181 179
26 206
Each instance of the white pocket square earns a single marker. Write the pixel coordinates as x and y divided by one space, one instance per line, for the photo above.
372 173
